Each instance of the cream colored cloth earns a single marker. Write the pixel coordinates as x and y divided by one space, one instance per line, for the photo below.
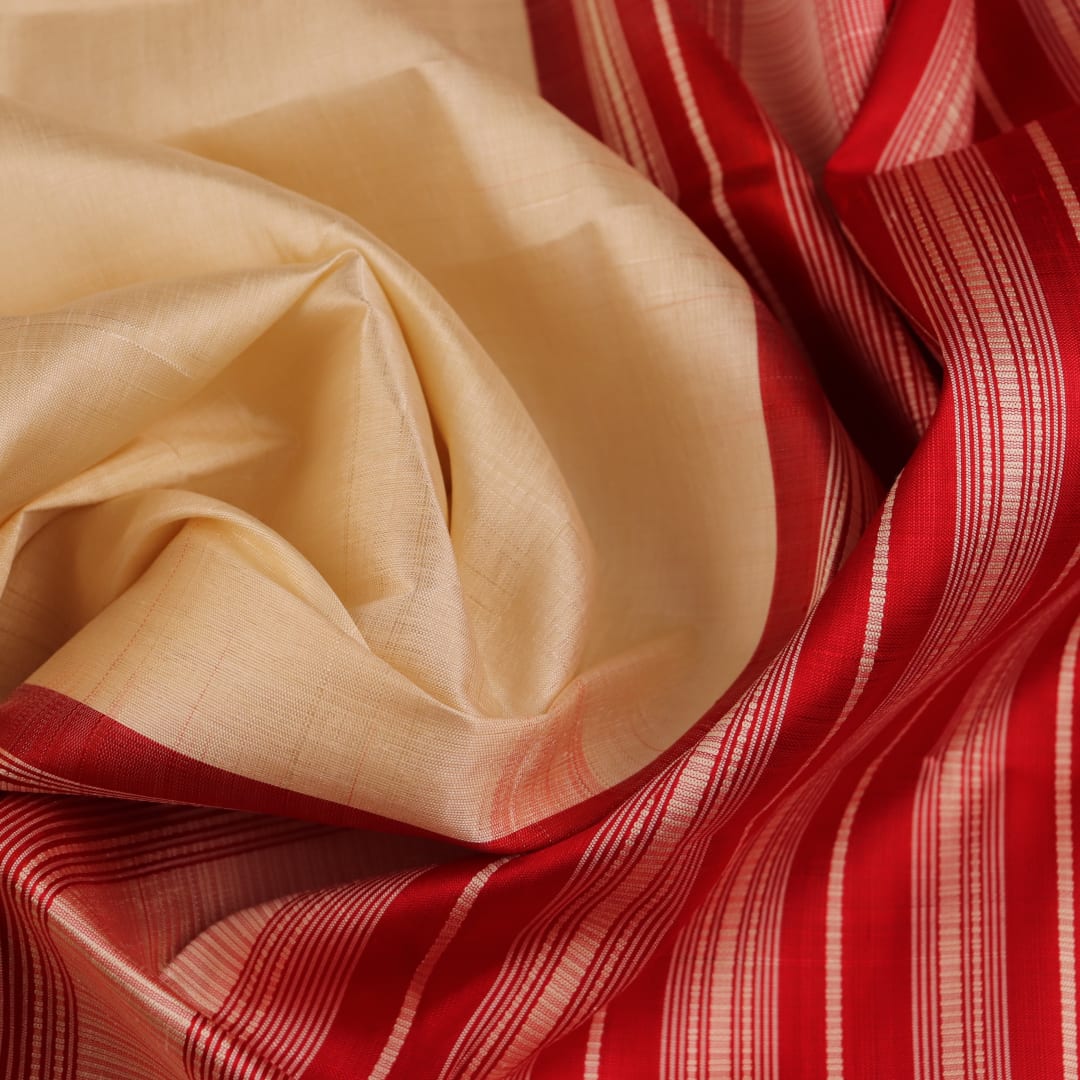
368 429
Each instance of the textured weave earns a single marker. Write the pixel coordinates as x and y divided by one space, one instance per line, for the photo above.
539 539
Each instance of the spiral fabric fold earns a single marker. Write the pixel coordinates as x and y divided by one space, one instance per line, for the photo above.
539 539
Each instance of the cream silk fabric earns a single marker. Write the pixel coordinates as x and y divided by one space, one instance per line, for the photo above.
368 429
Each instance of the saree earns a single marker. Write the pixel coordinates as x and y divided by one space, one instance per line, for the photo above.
539 539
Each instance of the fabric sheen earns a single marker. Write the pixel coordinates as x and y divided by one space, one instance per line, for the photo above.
538 538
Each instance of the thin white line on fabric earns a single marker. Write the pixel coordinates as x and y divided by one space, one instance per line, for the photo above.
1063 834
705 147
396 1039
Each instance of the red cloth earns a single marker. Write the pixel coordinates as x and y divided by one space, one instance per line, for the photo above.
861 861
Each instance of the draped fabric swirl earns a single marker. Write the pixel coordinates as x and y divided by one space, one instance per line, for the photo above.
539 539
